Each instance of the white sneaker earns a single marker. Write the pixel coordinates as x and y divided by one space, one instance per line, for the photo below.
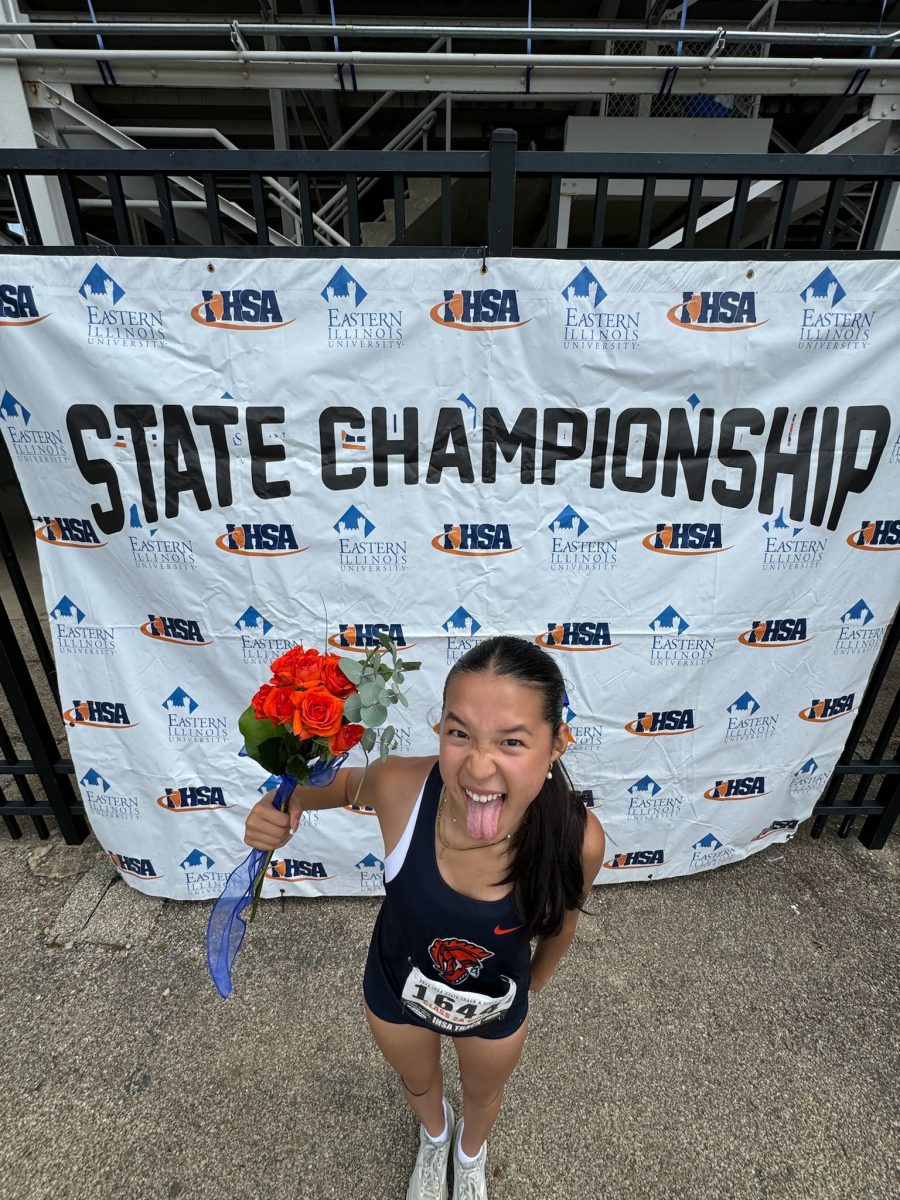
429 1178
469 1182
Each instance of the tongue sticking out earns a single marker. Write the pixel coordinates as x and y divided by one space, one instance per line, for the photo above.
483 820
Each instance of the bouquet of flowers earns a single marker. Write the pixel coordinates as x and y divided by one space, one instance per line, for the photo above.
301 726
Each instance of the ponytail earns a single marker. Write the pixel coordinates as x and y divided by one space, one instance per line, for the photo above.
547 873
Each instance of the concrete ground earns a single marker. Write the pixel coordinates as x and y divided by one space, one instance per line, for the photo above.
729 1035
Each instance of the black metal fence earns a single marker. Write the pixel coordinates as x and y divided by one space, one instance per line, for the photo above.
497 202
823 202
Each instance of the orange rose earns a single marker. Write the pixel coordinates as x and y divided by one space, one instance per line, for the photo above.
298 666
259 700
274 703
334 678
347 737
318 712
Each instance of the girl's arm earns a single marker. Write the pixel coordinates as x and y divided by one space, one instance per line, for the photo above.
549 951
268 829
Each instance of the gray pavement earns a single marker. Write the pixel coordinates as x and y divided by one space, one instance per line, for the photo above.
728 1035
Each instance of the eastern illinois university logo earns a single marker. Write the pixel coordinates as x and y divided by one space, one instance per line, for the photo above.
112 323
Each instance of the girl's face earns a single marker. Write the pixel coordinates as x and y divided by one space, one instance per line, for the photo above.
495 750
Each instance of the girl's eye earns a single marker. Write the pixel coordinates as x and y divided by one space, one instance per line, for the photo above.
514 742
455 733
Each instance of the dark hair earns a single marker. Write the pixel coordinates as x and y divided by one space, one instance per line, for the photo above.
546 872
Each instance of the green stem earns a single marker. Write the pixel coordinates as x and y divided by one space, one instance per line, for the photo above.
362 778
257 887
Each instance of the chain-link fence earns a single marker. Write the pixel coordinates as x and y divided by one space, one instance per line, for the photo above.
669 105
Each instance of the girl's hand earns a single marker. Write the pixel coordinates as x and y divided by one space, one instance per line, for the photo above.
267 828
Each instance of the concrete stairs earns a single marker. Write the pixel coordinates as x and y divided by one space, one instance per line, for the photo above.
422 210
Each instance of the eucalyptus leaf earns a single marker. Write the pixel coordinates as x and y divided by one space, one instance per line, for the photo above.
352 707
411 666
368 692
386 742
375 715
386 641
403 700
367 741
352 669
385 671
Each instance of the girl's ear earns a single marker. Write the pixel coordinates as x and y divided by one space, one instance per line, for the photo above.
562 740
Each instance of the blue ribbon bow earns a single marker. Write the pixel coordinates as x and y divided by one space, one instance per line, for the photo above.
226 927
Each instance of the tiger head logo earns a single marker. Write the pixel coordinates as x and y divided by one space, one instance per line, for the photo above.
456 960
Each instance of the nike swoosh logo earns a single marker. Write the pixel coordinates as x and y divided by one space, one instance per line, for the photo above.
500 931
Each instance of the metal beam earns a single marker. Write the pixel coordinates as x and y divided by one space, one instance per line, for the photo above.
859 34
463 74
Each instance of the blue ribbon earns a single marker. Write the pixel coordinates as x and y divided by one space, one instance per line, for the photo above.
104 66
337 48
528 51
226 927
862 73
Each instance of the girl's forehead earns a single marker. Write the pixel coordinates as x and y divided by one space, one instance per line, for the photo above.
499 701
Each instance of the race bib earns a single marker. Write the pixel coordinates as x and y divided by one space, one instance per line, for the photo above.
450 1009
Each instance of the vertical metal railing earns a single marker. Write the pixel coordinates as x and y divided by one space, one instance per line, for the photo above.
881 812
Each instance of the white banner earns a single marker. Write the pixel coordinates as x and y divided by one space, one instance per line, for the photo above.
679 478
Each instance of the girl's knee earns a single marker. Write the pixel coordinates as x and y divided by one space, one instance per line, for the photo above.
419 1087
481 1097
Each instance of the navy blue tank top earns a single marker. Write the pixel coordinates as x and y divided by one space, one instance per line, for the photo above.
474 945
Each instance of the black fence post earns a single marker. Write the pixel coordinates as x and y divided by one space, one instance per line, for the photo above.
876 829
502 201
22 697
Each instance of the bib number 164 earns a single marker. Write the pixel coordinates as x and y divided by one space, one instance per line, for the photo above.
449 1005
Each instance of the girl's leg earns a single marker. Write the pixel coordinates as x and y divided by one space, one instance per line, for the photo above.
415 1054
484 1066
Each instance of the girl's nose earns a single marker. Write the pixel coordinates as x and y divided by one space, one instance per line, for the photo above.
481 765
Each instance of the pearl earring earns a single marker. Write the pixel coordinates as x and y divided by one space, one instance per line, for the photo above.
550 771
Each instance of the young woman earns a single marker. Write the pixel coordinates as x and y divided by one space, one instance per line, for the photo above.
487 848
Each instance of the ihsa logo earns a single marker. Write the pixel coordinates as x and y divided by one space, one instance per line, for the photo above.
828 709
576 635
193 798
635 860
296 870
737 789
183 631
367 636
18 305
684 539
75 532
667 722
259 540
475 539
98 714
243 309
138 868
776 632
479 311
876 535
715 312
